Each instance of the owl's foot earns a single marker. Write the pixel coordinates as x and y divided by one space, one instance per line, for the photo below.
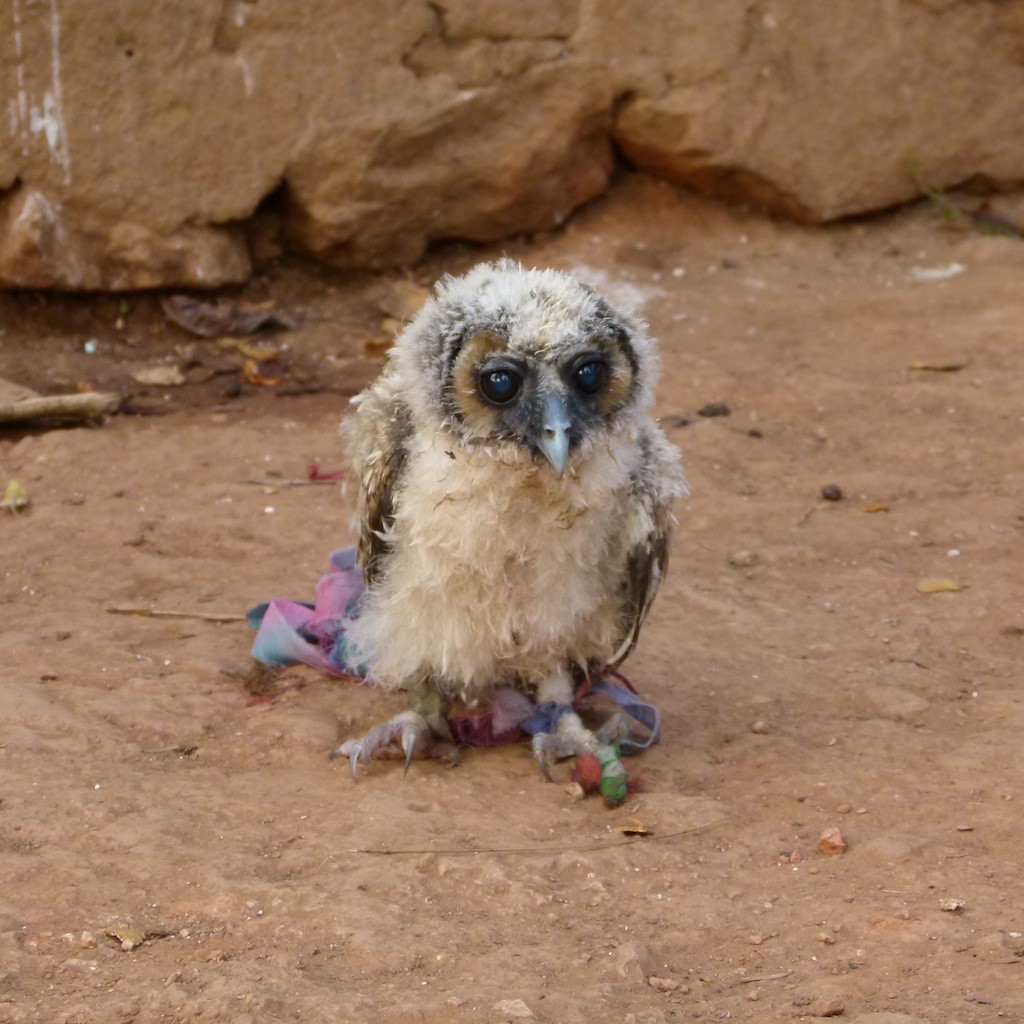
596 753
407 733
570 738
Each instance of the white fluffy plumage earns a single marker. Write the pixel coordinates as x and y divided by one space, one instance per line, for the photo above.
486 565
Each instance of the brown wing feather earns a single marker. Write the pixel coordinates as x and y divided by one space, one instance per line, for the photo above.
645 569
379 481
376 438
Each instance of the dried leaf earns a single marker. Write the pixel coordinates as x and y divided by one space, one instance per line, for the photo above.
128 937
249 349
222 317
253 376
162 375
15 498
876 508
938 586
939 367
633 828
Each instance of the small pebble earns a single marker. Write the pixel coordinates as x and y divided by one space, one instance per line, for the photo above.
832 492
755 432
760 727
825 1008
514 1008
951 906
831 842
663 984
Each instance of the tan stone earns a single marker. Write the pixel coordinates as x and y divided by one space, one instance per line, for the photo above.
134 154
829 109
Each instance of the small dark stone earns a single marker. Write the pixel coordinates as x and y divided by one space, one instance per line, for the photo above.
233 390
681 421
754 432
832 492
714 409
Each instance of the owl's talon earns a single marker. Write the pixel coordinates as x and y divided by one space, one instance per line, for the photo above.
405 734
548 748
572 739
350 749
409 738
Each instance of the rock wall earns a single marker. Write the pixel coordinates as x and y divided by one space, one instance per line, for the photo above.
138 138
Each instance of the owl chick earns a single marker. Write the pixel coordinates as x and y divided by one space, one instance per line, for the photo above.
514 505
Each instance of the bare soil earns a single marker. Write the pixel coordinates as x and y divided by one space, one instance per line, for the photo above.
155 797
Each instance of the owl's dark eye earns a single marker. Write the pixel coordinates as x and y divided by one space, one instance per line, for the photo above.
590 377
500 386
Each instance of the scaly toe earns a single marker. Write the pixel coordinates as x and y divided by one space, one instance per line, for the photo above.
549 748
406 735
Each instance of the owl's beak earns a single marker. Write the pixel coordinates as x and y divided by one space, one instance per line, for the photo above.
554 436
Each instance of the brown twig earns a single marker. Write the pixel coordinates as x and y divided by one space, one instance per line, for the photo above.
162 613
288 483
87 406
762 977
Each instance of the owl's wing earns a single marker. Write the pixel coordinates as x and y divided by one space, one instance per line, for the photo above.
379 479
657 483
377 436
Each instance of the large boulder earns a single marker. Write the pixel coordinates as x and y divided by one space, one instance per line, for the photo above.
823 108
134 152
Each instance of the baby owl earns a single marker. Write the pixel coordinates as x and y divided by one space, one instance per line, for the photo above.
515 502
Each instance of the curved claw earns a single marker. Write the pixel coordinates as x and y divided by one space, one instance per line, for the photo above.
341 750
548 748
409 738
352 749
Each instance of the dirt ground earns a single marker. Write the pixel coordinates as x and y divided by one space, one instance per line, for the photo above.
805 682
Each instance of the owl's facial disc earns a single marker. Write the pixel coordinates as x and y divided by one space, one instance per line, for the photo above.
549 401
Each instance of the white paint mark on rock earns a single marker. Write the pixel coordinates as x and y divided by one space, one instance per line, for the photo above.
44 117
